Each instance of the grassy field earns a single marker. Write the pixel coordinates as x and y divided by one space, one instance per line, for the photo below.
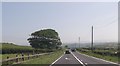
45 59
105 57
4 56
0 56
11 45
9 48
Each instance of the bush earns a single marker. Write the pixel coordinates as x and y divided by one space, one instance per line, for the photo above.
9 48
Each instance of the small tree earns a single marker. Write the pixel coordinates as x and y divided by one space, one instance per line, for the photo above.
66 46
45 39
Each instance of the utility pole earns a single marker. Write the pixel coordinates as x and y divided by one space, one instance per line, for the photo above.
79 42
92 40
75 45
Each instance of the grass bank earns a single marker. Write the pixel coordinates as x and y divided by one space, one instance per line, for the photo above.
45 59
105 57
4 56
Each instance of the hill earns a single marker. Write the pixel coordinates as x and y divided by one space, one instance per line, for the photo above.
12 48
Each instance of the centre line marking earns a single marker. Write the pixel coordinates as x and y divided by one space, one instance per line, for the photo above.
78 59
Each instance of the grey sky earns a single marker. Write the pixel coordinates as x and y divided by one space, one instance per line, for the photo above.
59 0
0 22
70 20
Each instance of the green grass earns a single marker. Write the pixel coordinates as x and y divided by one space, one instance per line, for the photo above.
45 59
109 58
4 56
9 48
13 46
0 56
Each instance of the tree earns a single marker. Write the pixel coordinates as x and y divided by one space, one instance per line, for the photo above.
66 46
45 39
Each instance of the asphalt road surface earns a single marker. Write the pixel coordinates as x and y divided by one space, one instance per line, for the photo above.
91 61
77 59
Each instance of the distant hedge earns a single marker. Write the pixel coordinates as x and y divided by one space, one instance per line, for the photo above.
9 48
108 52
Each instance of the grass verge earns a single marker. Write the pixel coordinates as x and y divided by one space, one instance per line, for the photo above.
4 56
105 57
45 59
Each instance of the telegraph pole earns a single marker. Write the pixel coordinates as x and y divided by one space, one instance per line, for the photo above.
75 45
79 42
92 40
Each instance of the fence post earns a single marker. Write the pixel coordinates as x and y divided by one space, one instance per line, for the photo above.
17 58
36 55
28 56
7 61
33 54
22 57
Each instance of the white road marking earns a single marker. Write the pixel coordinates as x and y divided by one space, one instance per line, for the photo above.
98 58
85 63
78 59
57 60
66 58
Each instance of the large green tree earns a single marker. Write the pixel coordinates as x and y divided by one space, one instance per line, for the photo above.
45 39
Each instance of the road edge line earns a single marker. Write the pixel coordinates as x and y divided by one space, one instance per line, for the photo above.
99 58
78 59
57 60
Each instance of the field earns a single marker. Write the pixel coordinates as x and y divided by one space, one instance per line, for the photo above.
11 50
4 56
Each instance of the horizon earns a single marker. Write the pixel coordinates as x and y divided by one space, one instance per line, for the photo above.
95 43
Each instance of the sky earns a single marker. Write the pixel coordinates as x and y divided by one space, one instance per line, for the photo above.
70 19
0 22
60 0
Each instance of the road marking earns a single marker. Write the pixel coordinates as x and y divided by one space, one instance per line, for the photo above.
98 58
85 63
78 59
57 60
66 58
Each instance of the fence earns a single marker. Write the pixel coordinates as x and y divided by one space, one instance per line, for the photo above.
17 60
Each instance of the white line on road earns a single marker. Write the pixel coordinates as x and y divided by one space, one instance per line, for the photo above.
57 60
98 58
78 59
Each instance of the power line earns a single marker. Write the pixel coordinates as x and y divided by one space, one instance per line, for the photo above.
106 25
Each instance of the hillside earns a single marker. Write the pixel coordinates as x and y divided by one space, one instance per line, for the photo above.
11 45
12 48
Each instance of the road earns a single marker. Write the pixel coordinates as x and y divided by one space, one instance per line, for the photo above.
77 59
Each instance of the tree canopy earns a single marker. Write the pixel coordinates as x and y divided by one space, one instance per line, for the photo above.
45 39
